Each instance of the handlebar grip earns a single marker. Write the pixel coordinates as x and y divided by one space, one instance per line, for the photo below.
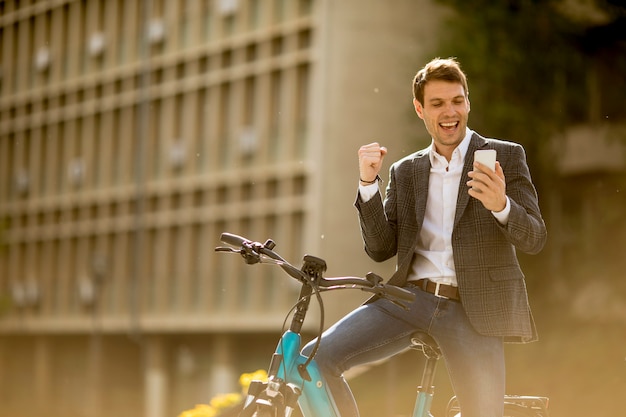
399 293
233 240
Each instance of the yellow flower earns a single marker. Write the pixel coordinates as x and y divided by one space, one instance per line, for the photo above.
246 379
201 410
224 401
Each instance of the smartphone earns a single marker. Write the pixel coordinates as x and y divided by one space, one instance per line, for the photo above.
486 157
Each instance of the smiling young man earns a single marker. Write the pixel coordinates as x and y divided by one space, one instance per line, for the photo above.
454 227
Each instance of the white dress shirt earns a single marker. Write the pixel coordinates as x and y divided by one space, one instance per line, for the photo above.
433 254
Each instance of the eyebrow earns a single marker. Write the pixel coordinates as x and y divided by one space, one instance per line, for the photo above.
460 96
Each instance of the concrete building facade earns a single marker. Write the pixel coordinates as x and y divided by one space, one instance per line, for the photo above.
133 133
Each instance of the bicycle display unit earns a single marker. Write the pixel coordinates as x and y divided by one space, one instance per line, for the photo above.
295 380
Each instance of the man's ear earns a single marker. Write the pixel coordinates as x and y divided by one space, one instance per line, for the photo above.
418 108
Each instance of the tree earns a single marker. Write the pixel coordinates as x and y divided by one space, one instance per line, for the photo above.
535 66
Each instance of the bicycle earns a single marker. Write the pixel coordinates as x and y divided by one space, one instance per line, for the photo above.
295 380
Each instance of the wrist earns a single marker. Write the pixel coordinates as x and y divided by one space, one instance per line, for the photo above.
366 182
502 205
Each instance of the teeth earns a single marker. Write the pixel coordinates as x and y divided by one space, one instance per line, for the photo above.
452 124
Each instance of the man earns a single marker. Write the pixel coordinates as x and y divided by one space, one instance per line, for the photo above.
454 225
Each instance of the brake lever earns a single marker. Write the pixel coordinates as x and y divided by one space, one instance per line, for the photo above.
379 291
384 294
398 303
389 292
247 252
227 249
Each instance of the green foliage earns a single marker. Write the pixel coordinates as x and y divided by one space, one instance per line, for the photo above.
528 64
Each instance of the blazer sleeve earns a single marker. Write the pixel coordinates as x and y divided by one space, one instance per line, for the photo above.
378 223
525 228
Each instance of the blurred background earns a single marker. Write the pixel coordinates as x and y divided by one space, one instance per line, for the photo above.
134 132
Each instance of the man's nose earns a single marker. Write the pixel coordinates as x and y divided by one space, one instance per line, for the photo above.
449 108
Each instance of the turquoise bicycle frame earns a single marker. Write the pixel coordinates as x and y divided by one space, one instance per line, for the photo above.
422 404
316 400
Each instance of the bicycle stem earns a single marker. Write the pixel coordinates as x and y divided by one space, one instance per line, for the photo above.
301 308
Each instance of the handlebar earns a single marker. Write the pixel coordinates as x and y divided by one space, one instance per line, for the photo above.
233 240
254 252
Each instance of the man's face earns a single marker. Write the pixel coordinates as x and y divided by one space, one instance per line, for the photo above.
445 113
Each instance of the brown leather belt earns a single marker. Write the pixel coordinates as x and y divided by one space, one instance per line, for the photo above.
440 290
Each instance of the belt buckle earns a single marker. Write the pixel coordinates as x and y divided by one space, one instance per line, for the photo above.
437 287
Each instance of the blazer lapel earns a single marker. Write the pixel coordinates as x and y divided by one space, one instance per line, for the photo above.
476 142
421 175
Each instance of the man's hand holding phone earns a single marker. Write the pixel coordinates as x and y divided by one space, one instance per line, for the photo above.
487 182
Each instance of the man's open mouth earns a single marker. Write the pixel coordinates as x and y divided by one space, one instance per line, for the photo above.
449 125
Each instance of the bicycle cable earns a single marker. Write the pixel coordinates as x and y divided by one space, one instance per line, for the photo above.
320 302
264 259
318 340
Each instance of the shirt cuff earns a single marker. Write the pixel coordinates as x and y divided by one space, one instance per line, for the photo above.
368 191
503 216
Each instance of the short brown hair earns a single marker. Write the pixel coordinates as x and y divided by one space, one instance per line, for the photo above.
438 69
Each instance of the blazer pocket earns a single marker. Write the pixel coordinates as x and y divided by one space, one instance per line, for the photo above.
506 273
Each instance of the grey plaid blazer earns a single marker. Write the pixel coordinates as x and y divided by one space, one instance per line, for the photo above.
491 282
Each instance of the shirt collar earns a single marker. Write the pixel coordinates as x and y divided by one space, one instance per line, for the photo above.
462 147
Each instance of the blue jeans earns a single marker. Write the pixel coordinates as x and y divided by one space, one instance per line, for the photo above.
381 329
